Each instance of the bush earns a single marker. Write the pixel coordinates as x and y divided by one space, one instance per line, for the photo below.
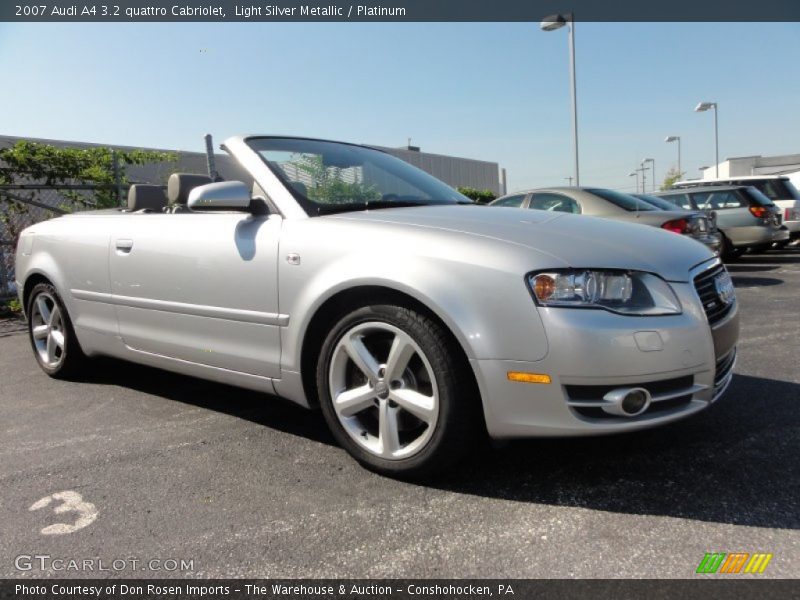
12 307
480 196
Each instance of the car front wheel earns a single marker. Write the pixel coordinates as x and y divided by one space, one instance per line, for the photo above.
394 393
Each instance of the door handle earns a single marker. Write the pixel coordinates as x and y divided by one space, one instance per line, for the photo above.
124 246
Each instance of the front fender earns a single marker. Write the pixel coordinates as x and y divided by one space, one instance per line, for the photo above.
488 310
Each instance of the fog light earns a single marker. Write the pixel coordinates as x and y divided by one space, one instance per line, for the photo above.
635 402
626 402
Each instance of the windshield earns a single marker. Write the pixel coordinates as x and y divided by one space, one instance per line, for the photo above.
624 201
658 202
774 189
758 197
328 177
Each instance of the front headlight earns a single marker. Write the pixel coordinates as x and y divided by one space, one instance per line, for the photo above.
626 292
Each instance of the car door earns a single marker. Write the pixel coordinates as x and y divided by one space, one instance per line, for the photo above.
199 287
729 207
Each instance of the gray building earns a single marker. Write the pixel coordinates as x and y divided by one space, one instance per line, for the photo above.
455 171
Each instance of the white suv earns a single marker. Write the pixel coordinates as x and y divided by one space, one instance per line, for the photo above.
777 188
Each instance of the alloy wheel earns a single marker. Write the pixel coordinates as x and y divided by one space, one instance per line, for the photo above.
383 390
48 331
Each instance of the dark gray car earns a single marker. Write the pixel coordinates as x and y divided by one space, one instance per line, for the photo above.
611 204
746 218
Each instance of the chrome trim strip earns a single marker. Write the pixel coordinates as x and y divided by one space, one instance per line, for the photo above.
704 266
198 310
698 387
722 386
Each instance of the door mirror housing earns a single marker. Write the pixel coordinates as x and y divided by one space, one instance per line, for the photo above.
223 195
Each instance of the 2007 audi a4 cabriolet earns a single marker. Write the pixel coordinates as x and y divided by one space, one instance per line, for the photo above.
346 279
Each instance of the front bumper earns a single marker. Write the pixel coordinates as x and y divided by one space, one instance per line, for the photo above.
684 362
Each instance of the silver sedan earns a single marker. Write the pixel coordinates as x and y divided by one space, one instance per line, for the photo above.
611 204
344 279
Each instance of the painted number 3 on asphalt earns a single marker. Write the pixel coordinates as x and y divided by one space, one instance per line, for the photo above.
70 502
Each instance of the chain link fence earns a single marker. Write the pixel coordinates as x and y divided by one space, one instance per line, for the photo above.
23 205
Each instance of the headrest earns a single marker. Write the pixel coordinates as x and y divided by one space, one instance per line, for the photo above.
180 184
146 197
299 186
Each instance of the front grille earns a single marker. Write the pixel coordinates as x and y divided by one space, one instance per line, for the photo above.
723 368
715 308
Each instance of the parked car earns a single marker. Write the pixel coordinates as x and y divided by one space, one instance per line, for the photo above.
778 188
349 280
745 216
611 204
665 204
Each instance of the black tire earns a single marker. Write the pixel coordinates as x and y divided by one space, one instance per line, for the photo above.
458 423
70 359
782 245
760 249
728 252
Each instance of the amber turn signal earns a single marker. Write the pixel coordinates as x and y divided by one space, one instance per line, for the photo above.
543 286
522 377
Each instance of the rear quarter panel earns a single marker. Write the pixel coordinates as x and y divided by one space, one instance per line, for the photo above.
72 252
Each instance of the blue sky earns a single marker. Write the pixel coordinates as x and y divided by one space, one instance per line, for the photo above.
489 91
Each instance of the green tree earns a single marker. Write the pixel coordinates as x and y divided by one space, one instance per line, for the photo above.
45 164
50 165
670 178
328 185
480 196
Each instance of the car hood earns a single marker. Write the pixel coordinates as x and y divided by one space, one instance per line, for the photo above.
572 240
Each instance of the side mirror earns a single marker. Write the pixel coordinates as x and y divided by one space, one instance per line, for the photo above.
223 195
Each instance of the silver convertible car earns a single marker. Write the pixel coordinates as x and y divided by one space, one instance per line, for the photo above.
345 279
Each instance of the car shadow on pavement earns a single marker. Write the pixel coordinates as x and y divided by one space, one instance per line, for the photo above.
263 409
750 268
789 255
739 281
737 462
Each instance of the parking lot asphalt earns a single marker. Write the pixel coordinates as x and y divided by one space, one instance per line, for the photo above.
245 485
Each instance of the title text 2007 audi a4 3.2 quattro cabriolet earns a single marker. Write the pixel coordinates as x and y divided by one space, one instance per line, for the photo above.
346 279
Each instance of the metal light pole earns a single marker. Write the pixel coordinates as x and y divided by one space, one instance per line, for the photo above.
702 107
635 174
676 138
551 23
651 160
644 177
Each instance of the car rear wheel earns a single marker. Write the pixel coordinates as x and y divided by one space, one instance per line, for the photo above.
51 334
729 252
394 393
